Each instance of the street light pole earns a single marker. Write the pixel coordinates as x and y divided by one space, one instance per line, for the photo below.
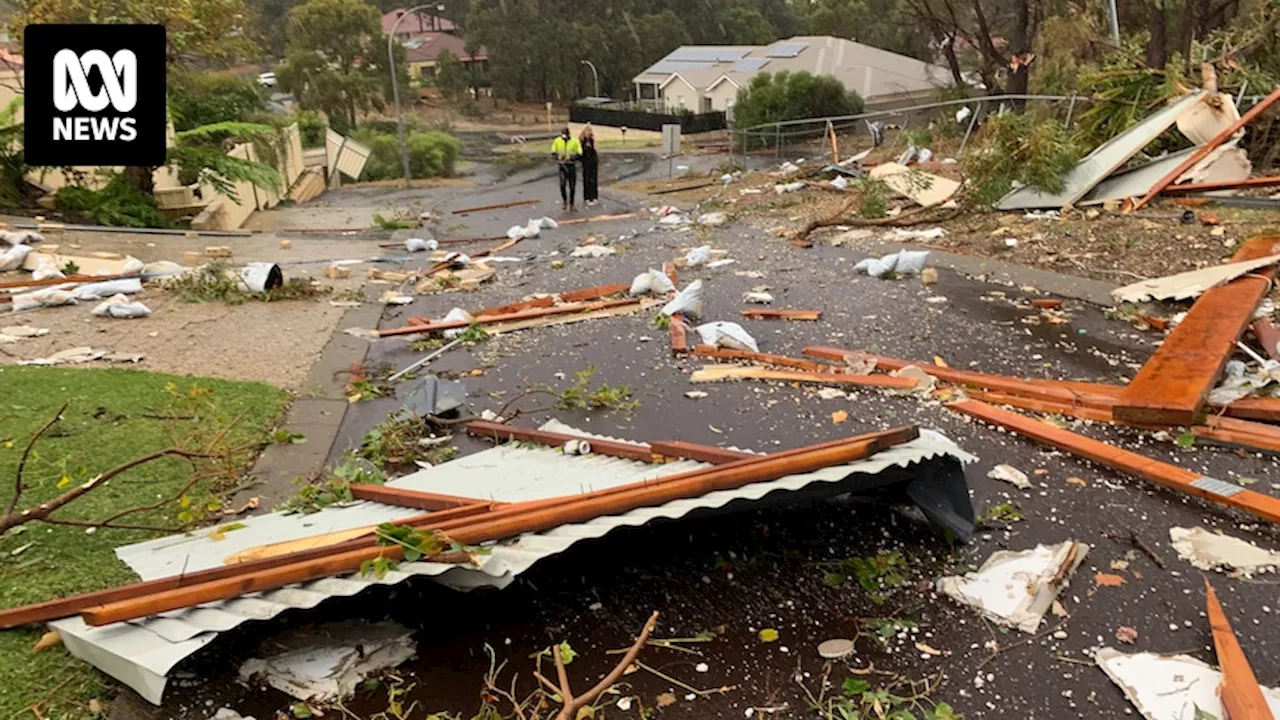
594 74
395 88
1115 22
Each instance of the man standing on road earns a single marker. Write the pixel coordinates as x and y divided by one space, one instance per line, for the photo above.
566 150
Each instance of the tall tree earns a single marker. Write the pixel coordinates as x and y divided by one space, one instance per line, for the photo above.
335 60
451 76
745 26
200 32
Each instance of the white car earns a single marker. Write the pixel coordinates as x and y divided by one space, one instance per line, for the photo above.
267 79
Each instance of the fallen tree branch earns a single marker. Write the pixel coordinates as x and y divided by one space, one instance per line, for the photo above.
907 218
571 704
18 487
42 511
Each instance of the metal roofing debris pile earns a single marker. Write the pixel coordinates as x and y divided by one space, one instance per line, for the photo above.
141 653
1216 162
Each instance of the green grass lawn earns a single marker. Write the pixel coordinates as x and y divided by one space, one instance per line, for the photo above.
112 416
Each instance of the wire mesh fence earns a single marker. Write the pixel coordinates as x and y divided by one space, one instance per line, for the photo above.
944 119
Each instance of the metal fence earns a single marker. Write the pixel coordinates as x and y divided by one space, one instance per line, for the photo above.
631 116
808 137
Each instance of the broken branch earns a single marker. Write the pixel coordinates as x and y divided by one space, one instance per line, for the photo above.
573 705
42 511
18 487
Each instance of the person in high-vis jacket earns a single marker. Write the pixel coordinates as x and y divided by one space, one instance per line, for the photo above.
566 150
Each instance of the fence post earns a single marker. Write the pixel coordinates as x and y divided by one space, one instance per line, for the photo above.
1071 108
777 141
969 130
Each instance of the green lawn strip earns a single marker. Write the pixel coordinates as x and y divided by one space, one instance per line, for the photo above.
111 418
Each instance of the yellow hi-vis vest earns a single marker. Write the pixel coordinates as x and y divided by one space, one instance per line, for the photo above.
566 150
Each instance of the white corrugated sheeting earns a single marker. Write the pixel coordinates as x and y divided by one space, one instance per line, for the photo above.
141 653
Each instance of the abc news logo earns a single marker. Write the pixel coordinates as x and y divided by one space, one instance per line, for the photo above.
95 95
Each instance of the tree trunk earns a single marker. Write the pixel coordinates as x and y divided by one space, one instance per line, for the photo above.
948 42
1186 33
1019 50
140 178
1157 44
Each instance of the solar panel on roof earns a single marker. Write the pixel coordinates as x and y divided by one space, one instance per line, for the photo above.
667 67
750 64
786 50
708 54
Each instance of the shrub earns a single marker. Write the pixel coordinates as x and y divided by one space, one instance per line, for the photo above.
1019 147
431 154
793 96
201 99
311 127
118 203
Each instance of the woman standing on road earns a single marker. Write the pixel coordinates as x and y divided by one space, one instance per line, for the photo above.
590 167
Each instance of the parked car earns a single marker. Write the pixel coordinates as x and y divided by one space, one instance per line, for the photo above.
267 79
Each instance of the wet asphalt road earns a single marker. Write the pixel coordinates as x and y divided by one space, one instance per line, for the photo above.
741 573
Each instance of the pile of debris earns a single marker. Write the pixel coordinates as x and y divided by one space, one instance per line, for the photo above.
1216 164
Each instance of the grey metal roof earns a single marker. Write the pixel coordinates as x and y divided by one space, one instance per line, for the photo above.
749 64
666 67
786 50
709 53
141 653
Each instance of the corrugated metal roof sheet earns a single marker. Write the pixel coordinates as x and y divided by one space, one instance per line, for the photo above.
141 653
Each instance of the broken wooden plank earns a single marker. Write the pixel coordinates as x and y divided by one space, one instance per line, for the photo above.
494 319
553 320
509 308
1240 693
701 453
596 219
1170 388
594 293
1221 430
1268 336
965 378
716 373
1182 480
1086 394
509 243
677 330
499 206
404 497
768 359
599 446
70 279
1050 407
1207 148
1195 187
781 314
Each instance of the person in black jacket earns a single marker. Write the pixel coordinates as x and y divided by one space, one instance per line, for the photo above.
590 167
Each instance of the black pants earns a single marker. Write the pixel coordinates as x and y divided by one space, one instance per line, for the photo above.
568 182
590 179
